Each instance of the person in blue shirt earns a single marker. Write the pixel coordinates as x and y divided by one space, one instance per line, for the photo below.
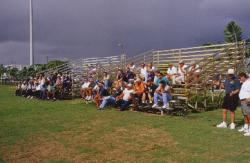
232 87
160 77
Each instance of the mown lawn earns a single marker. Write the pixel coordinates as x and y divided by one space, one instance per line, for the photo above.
70 131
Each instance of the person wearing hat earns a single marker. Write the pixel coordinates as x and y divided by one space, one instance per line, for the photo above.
181 72
126 97
230 102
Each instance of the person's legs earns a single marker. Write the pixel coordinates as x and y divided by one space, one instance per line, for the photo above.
232 113
156 96
104 102
143 98
124 105
150 98
224 115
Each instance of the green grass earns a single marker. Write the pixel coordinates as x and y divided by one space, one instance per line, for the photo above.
70 131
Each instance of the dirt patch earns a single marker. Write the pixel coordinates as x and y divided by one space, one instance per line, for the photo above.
130 144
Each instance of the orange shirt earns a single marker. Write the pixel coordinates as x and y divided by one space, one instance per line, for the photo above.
139 87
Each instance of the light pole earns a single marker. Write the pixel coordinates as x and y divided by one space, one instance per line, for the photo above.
122 48
31 34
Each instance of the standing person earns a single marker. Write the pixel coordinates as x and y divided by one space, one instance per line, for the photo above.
244 96
232 88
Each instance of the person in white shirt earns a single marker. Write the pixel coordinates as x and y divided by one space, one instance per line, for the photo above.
144 72
132 66
126 97
244 96
181 72
171 73
84 89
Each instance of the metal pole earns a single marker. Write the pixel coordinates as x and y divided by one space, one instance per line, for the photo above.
31 34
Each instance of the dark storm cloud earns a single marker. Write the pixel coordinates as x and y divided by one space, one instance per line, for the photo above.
84 28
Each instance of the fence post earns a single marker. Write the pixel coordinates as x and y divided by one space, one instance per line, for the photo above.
158 58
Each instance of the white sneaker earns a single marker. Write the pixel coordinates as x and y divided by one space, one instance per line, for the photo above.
247 133
232 126
243 129
165 106
155 106
222 125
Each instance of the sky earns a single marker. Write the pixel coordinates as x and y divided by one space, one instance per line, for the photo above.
91 28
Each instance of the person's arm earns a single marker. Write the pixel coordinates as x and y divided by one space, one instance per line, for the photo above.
120 96
235 92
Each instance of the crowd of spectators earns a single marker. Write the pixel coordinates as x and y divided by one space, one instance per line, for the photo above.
138 86
50 87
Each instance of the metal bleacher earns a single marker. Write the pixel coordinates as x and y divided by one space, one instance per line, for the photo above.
213 60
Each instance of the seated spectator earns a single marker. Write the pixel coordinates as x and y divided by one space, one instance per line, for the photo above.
101 92
171 73
84 87
24 88
162 93
217 83
193 72
18 90
160 77
129 76
126 97
151 67
106 80
149 91
132 66
181 72
29 93
51 90
139 88
144 72
43 90
111 100
119 78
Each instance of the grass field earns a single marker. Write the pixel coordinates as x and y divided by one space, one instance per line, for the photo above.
70 131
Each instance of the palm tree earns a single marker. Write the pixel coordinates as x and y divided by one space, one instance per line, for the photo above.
232 32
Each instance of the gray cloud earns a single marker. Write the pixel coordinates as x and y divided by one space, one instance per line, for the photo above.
84 28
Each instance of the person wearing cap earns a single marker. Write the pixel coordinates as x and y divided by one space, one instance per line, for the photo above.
162 93
230 102
172 72
181 72
126 97
244 96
